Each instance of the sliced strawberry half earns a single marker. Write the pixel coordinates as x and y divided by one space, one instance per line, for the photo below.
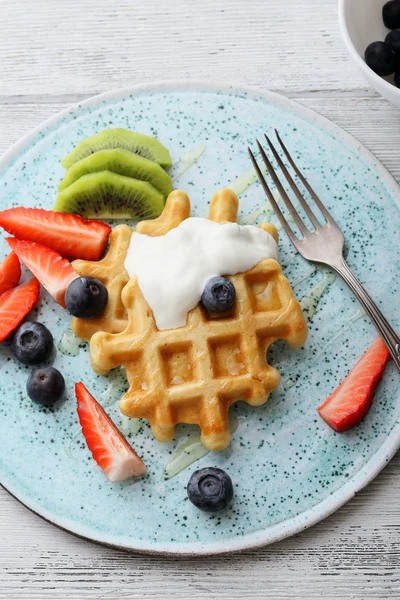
10 273
54 272
15 305
351 401
108 446
70 235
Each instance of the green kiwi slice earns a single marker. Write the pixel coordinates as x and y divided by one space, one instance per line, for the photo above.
138 143
121 162
106 195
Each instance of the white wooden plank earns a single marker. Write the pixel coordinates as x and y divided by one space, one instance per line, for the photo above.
71 47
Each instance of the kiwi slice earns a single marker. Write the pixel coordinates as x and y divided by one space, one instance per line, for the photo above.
107 195
121 162
138 143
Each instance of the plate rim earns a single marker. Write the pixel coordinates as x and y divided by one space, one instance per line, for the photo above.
370 469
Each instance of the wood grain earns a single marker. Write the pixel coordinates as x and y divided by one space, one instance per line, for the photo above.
71 47
352 554
55 53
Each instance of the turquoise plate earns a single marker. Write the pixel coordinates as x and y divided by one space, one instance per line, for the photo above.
288 467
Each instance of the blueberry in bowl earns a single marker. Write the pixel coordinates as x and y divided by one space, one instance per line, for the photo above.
391 14
210 489
86 298
381 58
384 57
32 343
393 39
45 386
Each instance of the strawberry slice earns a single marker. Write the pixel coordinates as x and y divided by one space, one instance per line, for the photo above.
10 272
54 272
108 446
351 401
70 235
15 305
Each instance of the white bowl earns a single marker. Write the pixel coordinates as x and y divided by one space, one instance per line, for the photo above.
360 24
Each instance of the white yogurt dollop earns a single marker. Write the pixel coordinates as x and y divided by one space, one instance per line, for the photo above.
172 269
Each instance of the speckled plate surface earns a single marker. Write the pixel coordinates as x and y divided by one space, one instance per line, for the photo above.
289 469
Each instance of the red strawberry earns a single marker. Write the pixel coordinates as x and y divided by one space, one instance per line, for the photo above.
54 272
351 401
15 305
10 272
70 235
108 446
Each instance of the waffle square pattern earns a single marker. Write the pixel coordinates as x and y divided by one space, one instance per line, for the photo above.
194 373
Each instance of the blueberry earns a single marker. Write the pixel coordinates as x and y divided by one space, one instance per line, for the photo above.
219 295
391 14
397 78
32 343
393 39
210 489
380 57
45 386
86 298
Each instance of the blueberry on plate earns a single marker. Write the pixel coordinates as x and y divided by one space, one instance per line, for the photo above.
210 489
32 343
86 298
219 295
380 57
391 14
393 39
45 386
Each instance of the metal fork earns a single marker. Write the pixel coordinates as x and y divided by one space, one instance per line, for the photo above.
324 244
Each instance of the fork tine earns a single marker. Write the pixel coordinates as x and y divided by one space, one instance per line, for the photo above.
304 181
273 202
288 203
292 184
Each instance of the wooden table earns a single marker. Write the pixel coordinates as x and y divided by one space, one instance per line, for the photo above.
56 52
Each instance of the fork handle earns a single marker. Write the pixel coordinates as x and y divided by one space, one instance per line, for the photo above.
389 336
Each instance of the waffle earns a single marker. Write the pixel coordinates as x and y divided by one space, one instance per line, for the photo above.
111 271
194 373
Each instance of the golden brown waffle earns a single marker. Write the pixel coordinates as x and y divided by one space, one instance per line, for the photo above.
194 373
111 271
